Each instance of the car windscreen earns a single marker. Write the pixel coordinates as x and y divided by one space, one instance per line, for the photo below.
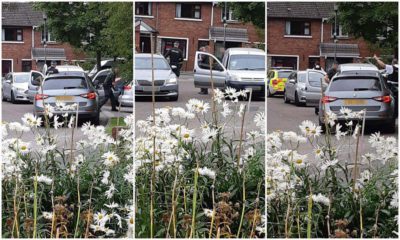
355 84
284 74
145 63
65 83
315 78
247 62
21 78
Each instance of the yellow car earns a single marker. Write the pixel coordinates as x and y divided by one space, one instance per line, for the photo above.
276 81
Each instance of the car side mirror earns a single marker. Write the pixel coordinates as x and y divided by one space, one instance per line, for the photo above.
292 81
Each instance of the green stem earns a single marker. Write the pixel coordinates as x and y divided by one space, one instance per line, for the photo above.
244 205
309 215
79 210
196 176
35 204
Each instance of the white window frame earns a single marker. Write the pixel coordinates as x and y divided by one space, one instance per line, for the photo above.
49 40
180 38
3 35
230 14
8 59
340 33
187 19
282 55
287 32
146 16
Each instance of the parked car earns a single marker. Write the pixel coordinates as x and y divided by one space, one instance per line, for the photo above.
241 68
126 98
304 87
14 86
69 88
360 90
36 77
98 81
276 80
165 80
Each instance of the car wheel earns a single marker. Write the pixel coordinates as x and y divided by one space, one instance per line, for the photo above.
391 126
296 99
174 98
95 120
269 94
13 98
285 98
316 110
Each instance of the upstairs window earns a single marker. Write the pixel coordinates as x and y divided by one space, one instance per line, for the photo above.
12 34
188 10
230 17
143 8
47 36
339 31
298 28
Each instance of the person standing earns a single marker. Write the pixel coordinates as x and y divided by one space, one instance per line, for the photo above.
52 69
108 92
317 66
392 70
175 58
331 72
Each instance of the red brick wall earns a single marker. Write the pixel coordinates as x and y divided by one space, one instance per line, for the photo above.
19 51
304 47
166 24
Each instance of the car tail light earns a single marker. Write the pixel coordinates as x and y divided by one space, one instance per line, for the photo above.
41 96
127 87
328 99
91 95
385 99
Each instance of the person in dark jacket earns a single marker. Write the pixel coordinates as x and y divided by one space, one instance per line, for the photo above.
392 70
107 87
175 58
331 72
52 69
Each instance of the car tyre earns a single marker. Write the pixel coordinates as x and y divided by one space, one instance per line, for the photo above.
391 126
296 99
285 98
269 94
174 98
13 98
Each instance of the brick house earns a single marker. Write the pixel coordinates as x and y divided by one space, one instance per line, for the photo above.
192 24
22 48
300 33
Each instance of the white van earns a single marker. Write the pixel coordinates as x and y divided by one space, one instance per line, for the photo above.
241 68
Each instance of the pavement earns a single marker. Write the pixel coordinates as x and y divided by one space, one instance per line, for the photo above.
187 91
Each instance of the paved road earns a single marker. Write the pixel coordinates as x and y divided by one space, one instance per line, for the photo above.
187 91
288 117
14 112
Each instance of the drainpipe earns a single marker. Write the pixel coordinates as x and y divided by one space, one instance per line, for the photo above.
212 14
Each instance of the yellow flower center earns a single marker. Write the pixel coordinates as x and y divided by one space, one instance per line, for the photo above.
23 148
131 220
186 135
299 161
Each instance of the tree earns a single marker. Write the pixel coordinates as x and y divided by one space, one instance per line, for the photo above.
375 22
96 27
253 12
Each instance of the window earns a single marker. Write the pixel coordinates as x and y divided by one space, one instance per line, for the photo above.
188 10
143 8
299 28
26 65
339 31
229 16
315 79
12 34
6 67
168 43
47 36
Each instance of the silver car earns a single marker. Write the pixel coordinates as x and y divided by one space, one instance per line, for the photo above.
15 85
165 80
304 87
68 88
360 90
126 98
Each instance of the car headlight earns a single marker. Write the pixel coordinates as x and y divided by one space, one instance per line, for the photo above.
171 80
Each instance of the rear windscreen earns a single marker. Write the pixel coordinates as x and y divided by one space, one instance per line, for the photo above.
315 78
360 84
284 74
64 83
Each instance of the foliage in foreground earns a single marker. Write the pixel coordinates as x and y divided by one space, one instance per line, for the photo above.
204 179
56 187
329 192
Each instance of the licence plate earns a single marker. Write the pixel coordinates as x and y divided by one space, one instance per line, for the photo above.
65 98
355 102
150 89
